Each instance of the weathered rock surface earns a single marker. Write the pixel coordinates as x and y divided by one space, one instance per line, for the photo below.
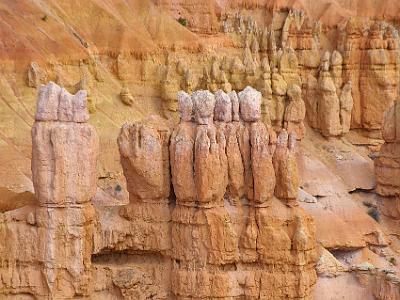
387 165
64 149
223 179
295 112
126 96
153 49
145 159
47 247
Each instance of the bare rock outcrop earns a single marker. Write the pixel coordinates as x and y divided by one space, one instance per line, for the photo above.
370 62
35 76
346 106
387 165
329 104
286 171
181 152
181 243
145 159
256 147
47 247
332 111
126 96
295 112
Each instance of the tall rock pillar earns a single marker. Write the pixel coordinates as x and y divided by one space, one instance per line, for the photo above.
64 156
203 238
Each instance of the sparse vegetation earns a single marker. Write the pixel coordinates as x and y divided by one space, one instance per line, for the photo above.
393 261
367 204
183 21
118 188
44 18
374 213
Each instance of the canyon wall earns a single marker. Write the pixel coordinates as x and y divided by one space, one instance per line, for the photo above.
231 226
139 54
255 181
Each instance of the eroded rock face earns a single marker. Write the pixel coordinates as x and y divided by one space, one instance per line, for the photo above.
56 104
206 235
221 212
375 86
346 106
328 106
387 165
272 59
295 112
126 96
223 178
145 159
250 104
223 107
64 148
204 103
286 168
48 247
35 75
64 162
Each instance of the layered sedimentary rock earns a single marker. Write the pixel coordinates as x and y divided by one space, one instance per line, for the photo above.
295 112
223 176
370 62
64 157
54 259
264 45
328 101
387 165
329 104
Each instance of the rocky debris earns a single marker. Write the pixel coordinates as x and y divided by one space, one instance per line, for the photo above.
387 165
328 265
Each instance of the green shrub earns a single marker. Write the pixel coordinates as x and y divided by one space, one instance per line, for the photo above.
367 204
393 261
183 21
44 18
